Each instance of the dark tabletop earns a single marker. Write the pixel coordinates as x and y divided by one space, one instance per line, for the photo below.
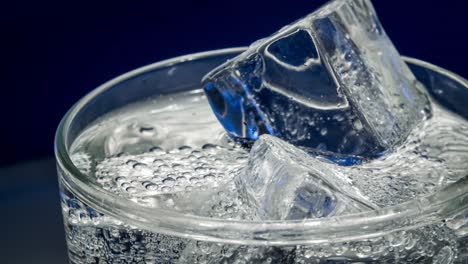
31 215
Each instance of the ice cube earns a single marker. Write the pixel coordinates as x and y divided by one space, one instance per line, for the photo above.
285 182
332 81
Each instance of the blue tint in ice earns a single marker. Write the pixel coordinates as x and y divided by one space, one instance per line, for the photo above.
331 82
295 49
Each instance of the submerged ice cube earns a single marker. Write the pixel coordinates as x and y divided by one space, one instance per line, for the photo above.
284 182
332 82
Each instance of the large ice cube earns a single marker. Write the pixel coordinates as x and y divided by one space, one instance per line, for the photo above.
332 81
284 182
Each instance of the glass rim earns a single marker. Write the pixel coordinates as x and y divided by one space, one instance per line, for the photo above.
421 211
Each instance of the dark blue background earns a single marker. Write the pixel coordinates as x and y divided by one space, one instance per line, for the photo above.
54 53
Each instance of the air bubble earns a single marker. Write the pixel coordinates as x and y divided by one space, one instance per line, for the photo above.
131 162
139 165
197 153
103 179
169 181
164 168
130 189
323 131
181 179
209 177
201 170
147 131
185 149
194 179
158 162
166 189
192 158
177 166
151 187
146 183
157 150
210 148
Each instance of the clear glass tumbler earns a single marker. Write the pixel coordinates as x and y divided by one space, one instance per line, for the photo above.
104 228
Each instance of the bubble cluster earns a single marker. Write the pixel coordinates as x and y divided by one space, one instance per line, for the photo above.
158 173
120 244
413 246
111 241
430 244
83 162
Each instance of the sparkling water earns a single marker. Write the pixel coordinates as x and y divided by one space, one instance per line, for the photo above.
170 152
